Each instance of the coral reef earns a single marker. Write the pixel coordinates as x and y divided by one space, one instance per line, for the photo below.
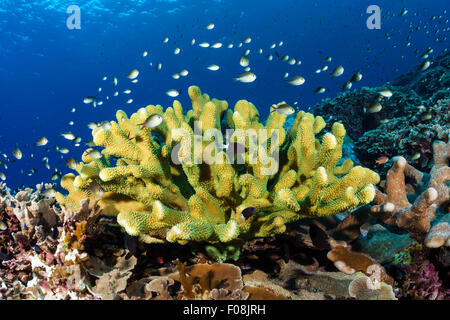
187 200
431 84
409 121
410 136
350 108
317 227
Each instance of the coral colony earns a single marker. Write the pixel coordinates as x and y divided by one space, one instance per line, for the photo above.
234 206
349 200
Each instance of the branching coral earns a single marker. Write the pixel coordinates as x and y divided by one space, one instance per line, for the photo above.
176 182
393 207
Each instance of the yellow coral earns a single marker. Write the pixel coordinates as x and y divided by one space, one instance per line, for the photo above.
177 182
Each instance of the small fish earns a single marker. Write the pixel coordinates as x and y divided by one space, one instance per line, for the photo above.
320 90
2 176
247 40
145 53
41 142
385 93
210 26
71 163
115 81
90 143
129 101
324 68
427 116
192 42
96 189
68 135
217 45
415 157
338 71
172 93
90 99
135 81
184 72
3 226
376 107
356 77
285 75
403 12
93 125
17 153
152 121
248 212
425 65
176 51
62 150
56 176
93 153
244 61
246 77
347 85
49 193
382 160
71 123
328 59
283 109
319 237
204 44
166 40
176 76
297 81
158 66
213 67
128 91
133 74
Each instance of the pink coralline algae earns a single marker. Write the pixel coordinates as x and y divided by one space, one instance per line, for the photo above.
423 283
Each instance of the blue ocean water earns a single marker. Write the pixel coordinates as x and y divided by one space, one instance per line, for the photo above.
47 69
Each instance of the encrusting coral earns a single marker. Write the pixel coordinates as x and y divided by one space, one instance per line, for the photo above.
153 181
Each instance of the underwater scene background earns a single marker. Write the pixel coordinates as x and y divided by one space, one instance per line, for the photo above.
47 69
93 208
